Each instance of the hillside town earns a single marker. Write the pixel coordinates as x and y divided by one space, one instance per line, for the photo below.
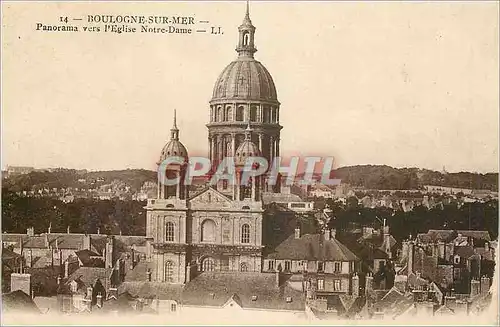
250 248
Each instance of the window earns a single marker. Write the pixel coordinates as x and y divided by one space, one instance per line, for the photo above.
270 265
224 182
169 232
245 233
208 264
240 113
253 114
337 267
457 259
336 285
243 266
321 284
320 266
173 307
229 114
219 114
288 266
169 271
245 38
208 231
224 263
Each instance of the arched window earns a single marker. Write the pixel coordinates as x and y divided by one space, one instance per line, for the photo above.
240 112
246 38
243 266
169 271
169 232
245 233
208 264
208 231
219 114
253 113
229 114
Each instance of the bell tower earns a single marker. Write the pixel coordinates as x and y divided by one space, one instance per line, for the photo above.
246 45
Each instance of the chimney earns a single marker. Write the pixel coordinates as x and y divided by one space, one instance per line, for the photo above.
59 280
485 284
67 230
333 233
410 256
66 269
99 300
86 242
132 261
98 231
89 292
297 232
474 287
487 246
368 283
462 307
50 227
450 302
355 285
46 237
30 231
277 275
109 262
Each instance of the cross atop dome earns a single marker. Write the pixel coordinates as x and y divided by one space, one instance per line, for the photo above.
246 47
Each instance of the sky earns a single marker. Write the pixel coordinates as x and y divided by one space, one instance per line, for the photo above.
401 84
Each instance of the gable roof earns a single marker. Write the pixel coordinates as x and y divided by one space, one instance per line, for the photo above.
434 235
253 290
19 301
477 234
89 275
312 247
151 290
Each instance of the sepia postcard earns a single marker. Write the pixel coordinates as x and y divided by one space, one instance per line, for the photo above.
250 163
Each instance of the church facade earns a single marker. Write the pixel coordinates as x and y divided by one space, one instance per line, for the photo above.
220 228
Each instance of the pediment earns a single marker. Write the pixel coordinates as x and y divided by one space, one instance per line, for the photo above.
210 198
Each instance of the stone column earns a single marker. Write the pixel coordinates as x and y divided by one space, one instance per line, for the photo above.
221 149
210 146
260 142
233 144
271 148
178 186
277 147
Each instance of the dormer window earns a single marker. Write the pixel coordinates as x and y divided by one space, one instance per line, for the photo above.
288 299
254 297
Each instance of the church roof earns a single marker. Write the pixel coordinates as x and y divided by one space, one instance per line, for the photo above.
245 78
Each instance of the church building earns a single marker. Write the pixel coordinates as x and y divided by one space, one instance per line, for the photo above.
220 228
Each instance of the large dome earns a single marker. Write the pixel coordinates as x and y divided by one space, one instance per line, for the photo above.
245 78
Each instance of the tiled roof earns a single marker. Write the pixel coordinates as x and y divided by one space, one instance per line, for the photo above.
268 197
254 290
312 247
477 234
18 301
89 258
465 251
89 275
434 235
152 290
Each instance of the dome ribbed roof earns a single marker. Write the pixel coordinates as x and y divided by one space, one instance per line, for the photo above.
245 150
245 78
174 148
